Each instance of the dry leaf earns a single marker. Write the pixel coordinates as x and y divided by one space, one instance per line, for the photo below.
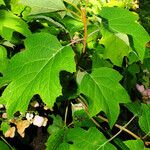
10 132
21 126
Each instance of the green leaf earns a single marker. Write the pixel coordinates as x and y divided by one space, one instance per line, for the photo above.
144 120
73 1
135 108
116 46
120 20
104 92
135 144
36 71
2 2
57 124
87 140
97 58
16 7
4 127
10 23
72 25
55 140
44 6
4 146
3 59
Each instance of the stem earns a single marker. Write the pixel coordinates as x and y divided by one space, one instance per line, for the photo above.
121 129
79 40
6 142
73 13
66 113
83 10
145 136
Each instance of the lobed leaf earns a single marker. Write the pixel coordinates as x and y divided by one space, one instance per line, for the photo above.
144 121
2 2
83 140
44 6
10 23
36 71
104 92
135 144
119 20
116 46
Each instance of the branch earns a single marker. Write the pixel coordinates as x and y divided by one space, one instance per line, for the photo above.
121 129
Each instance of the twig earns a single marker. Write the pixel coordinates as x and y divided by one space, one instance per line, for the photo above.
73 13
66 113
145 136
117 132
121 128
83 12
6 143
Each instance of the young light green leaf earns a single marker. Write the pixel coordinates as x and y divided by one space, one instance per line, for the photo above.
116 46
73 1
104 91
120 20
135 144
84 140
4 127
10 23
36 71
44 6
144 120
2 2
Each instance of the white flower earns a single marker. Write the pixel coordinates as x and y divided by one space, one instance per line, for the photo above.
29 117
140 88
1 106
35 104
40 121
45 122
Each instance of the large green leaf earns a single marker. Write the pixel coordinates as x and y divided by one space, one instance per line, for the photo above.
120 20
104 92
36 71
10 23
86 140
55 140
44 6
57 124
3 59
2 2
116 46
144 120
4 146
135 144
